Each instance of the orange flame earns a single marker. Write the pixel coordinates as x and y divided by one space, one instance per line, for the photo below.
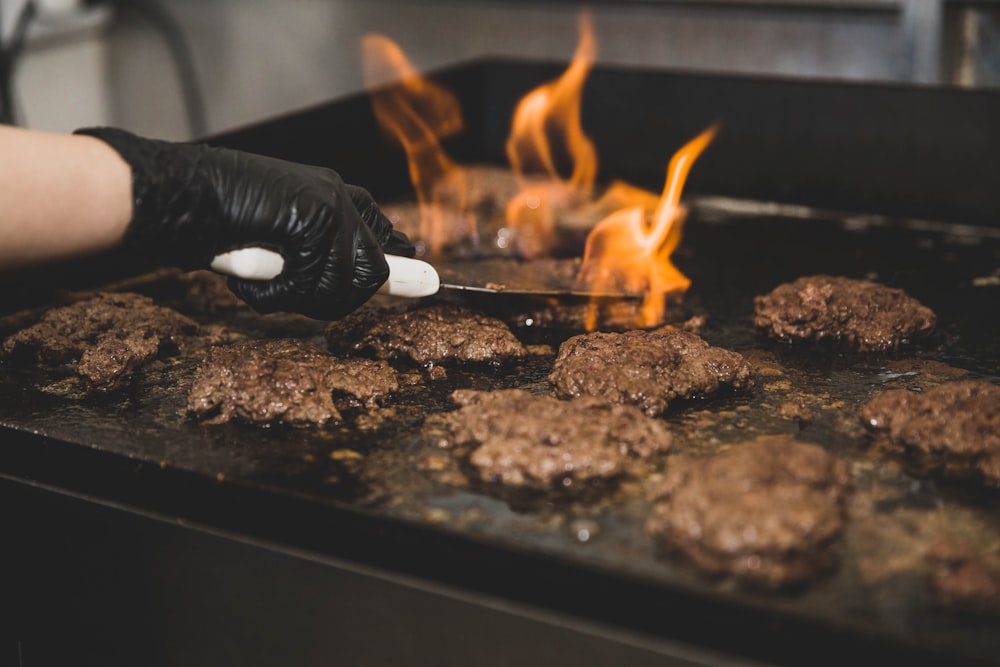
545 121
628 251
418 113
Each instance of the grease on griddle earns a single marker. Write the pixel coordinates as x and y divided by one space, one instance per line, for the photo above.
964 577
765 512
946 556
865 315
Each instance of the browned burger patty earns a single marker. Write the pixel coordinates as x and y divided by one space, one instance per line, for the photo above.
953 429
645 368
863 314
432 335
525 440
109 334
765 512
283 380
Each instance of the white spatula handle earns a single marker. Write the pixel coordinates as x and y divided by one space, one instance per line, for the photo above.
407 277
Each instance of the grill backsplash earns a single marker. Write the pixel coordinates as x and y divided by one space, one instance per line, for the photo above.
930 153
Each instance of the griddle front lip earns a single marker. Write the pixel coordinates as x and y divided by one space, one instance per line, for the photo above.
299 526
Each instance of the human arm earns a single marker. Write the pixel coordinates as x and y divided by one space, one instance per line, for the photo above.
60 196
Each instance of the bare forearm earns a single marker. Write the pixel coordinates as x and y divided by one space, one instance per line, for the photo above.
60 196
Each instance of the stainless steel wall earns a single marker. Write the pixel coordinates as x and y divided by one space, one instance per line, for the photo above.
258 59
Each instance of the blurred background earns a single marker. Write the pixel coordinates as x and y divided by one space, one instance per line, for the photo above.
180 69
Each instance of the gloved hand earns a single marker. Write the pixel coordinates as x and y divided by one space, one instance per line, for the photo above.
193 202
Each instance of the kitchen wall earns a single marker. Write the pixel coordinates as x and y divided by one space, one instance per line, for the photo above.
260 58
61 80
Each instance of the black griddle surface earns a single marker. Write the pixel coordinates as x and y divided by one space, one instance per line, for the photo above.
374 475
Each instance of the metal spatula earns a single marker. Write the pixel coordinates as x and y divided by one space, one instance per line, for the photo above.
414 278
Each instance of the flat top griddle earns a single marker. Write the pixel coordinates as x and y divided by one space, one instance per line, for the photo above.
360 490
375 471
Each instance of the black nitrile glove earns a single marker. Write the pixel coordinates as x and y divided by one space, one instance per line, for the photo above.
193 202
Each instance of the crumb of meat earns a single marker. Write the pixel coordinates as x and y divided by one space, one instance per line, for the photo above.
866 315
430 335
109 334
524 440
795 410
952 429
437 373
646 368
765 512
283 380
695 324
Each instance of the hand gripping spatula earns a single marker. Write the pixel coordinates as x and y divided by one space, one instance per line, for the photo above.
414 278
407 277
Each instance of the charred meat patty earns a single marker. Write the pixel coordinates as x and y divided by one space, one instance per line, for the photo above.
534 441
952 429
109 334
284 380
645 368
765 512
432 335
865 315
